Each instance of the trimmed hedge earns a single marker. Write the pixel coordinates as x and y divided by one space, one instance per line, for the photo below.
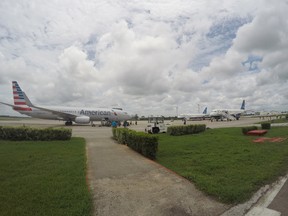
120 134
245 130
143 143
35 134
266 125
186 129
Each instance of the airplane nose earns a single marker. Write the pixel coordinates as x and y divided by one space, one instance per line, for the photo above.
124 115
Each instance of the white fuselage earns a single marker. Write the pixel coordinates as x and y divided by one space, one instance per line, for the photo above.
222 113
95 114
192 116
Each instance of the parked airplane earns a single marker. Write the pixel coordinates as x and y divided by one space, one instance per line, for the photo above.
83 115
270 114
228 114
189 116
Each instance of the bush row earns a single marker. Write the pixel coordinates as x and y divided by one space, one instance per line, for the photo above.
186 129
27 133
245 130
141 142
265 125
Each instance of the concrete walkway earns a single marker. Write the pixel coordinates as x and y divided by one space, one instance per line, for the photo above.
125 183
280 201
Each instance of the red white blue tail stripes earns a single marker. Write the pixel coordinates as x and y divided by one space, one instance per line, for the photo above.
18 96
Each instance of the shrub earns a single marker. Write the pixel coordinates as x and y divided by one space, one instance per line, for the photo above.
35 134
245 130
120 134
140 142
266 125
186 129
114 130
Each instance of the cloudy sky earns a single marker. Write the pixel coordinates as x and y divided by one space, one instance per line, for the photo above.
148 57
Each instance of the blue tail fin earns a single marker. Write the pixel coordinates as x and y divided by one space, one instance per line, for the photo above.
243 105
205 110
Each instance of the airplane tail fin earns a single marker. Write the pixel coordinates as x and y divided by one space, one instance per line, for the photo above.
28 102
205 110
243 105
19 98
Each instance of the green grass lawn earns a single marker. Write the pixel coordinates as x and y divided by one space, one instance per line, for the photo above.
44 178
224 163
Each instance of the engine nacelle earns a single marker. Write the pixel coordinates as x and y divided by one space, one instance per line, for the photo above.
82 120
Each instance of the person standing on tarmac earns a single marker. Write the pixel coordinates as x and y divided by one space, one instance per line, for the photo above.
125 124
114 124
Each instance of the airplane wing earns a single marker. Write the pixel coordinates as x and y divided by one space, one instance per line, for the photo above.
62 115
11 105
17 108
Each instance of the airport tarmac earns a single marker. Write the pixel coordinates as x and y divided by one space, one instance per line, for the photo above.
125 183
32 122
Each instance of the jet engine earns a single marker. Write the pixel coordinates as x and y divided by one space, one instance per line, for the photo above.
82 120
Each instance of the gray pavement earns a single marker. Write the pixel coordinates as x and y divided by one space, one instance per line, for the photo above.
125 183
280 202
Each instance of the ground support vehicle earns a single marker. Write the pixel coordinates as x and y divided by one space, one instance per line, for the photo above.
156 125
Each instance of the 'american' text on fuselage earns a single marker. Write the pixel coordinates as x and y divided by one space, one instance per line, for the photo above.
95 113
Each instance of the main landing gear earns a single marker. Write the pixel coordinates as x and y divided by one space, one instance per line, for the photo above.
68 123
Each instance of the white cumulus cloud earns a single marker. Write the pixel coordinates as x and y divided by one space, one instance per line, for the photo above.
149 57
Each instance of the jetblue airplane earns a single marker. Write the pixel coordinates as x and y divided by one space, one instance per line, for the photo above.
229 114
23 105
194 115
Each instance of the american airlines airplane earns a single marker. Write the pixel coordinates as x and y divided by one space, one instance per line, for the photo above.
23 105
229 114
194 115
